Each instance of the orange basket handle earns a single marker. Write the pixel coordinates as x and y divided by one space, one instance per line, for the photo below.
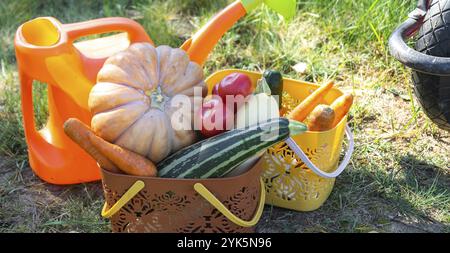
105 25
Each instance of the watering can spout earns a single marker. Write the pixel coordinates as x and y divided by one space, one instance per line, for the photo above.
203 42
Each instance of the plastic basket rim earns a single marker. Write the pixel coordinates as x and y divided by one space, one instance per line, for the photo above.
344 119
185 180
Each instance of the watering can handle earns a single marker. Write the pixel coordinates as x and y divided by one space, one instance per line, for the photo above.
299 152
26 87
104 25
34 137
202 43
135 31
410 57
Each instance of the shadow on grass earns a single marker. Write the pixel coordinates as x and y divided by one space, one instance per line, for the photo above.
371 199
362 201
425 180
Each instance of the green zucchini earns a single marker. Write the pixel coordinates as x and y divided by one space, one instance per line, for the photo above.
275 81
218 155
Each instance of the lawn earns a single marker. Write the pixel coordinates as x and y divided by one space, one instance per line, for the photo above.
399 176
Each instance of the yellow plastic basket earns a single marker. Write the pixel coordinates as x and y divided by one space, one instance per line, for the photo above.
299 174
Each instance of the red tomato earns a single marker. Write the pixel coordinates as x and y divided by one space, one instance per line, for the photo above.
235 84
215 90
216 118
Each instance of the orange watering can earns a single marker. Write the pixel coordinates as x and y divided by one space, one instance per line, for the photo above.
46 51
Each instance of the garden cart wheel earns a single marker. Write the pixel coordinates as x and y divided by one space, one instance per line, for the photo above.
430 60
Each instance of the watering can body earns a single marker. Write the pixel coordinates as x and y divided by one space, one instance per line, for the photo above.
46 52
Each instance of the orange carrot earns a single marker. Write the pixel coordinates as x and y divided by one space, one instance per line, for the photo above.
321 118
79 133
341 106
306 106
125 160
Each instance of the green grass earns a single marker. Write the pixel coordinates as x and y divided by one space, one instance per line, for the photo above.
398 179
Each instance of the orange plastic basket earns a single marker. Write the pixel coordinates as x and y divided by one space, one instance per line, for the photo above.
154 205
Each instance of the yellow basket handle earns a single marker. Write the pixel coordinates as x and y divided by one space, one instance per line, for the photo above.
201 189
205 193
134 189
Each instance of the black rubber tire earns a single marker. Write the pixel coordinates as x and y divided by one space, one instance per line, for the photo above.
433 92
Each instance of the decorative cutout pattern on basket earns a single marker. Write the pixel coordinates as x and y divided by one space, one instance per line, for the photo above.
173 212
288 178
289 102
289 182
